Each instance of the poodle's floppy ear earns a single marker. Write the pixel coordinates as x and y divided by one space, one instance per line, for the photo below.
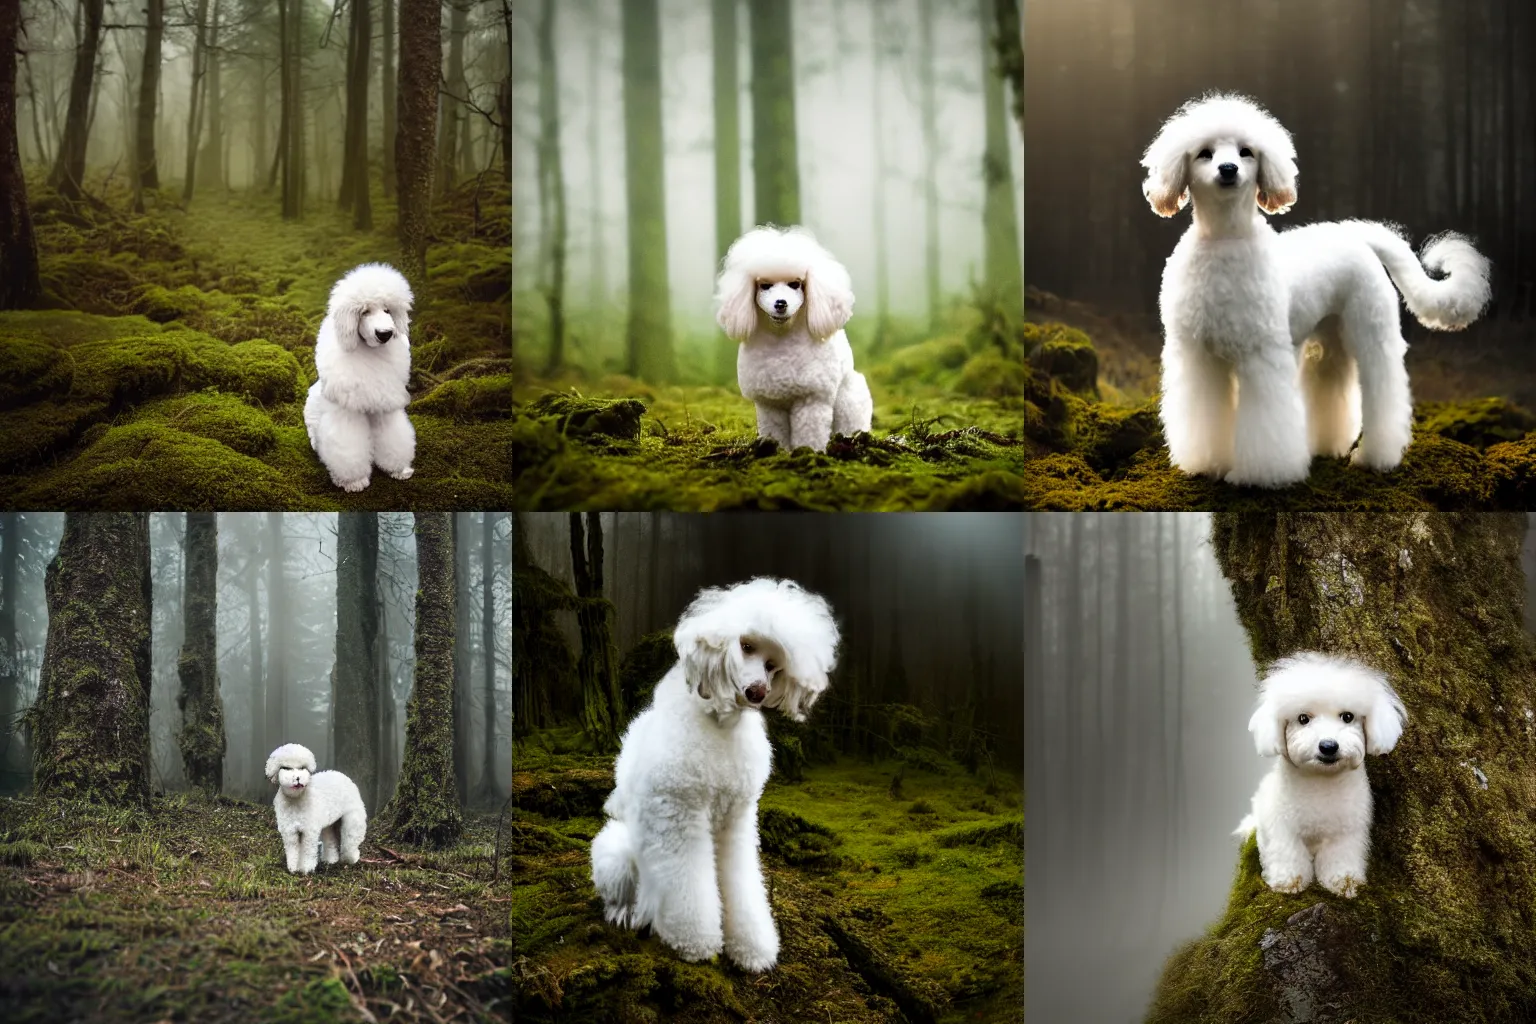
1384 719
400 304
708 668
1268 730
1166 186
1277 182
828 297
738 306
344 321
794 694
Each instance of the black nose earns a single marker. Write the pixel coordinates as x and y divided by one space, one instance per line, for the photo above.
383 335
780 305
756 692
1328 747
1228 171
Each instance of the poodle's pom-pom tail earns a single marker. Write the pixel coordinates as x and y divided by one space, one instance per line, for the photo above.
614 873
1449 303
289 755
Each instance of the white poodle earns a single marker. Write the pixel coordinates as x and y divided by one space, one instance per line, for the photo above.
786 299
1321 714
680 851
355 414
1245 396
314 810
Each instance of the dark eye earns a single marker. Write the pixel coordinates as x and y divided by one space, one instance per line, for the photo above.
1303 719
1348 716
794 286
746 647
1245 151
764 285
770 666
1205 154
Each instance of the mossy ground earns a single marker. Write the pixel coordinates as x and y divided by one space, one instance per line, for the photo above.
946 435
188 913
888 907
1086 453
172 368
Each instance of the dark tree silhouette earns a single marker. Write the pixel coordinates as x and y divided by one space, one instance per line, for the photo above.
148 173
19 282
69 167
649 333
355 725
201 738
421 60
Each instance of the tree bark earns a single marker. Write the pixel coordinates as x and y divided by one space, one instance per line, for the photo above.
462 662
354 170
149 97
10 657
210 167
90 723
20 284
602 713
551 184
649 331
877 187
727 152
387 84
69 168
194 101
1004 280
488 717
775 152
201 739
425 809
928 108
451 105
258 747
421 59
277 633
1441 930
355 726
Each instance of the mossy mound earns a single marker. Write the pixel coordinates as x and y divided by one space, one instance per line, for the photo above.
643 666
468 398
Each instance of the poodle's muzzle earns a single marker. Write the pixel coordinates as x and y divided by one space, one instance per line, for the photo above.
1228 174
756 693
376 328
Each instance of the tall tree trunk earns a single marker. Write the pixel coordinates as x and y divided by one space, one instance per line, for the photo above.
195 93
877 189
356 724
90 724
1004 277
425 810
357 135
389 754
258 745
775 151
259 141
504 96
421 58
727 154
488 715
148 171
1434 601
551 184
387 85
928 107
452 96
602 704
210 168
10 657
597 152
69 169
277 633
1010 45
649 332
462 665
20 285
201 739
37 121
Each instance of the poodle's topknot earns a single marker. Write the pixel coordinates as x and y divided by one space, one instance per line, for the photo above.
289 755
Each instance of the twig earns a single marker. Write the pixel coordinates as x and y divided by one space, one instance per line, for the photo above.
496 858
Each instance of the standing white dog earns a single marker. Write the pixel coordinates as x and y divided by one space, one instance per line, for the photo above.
315 811
1321 715
355 414
680 849
797 369
1239 301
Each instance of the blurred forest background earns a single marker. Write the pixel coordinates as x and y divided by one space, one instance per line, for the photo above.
903 786
659 133
183 183
1419 112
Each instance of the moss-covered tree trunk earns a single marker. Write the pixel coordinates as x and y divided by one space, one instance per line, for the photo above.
421 61
602 705
355 725
649 331
1004 279
90 724
1445 928
425 808
202 709
775 152
462 659
541 661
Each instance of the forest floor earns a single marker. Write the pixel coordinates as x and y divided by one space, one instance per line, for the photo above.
1093 439
894 901
170 366
946 435
187 912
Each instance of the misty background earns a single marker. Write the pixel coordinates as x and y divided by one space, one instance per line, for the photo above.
1138 757
276 635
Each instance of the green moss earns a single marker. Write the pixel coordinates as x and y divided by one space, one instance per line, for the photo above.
1065 354
1479 423
220 417
643 666
990 374
468 398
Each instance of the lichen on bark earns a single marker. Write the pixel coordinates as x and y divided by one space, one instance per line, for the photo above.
425 809
1445 928
91 718
202 737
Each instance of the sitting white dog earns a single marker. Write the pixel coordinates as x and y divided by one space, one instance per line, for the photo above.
680 849
1321 715
786 299
1281 346
315 811
355 413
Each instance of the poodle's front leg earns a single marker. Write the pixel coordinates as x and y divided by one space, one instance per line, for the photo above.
1270 442
344 443
394 443
1197 407
291 850
309 852
751 939
773 422
677 876
1283 859
1341 861
810 423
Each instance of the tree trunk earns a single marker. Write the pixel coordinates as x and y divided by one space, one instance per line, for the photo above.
551 184
277 634
425 810
90 724
389 755
452 96
10 657
148 176
1010 28
257 747
488 716
461 655
1004 279
649 332
387 84
775 152
597 152
194 102
354 172
877 187
929 115
421 59
355 726
69 169
259 142
727 153
1441 930
202 738
602 713
210 168
20 285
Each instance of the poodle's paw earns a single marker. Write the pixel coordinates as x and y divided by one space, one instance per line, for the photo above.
331 857
353 484
1379 461
1286 883
753 956
697 950
1345 885
404 474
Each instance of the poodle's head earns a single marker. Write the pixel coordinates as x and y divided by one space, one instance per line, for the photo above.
765 643
1224 149
772 273
290 766
1325 713
371 306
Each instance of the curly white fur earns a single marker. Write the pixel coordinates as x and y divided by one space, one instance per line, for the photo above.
1321 715
316 812
797 369
680 849
355 414
1282 346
